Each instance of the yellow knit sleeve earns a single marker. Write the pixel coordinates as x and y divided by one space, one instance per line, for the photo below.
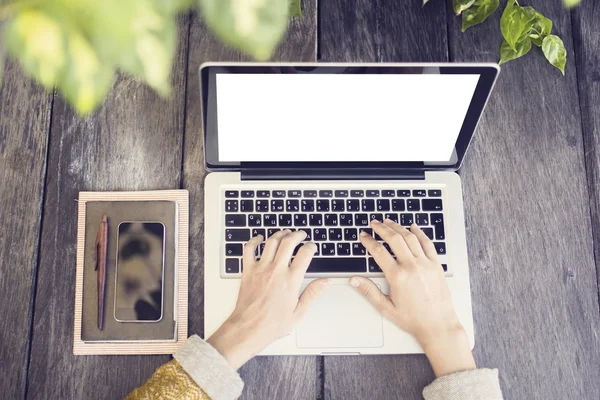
170 381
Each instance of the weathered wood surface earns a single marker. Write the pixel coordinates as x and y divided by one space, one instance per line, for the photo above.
533 280
133 142
586 39
24 122
265 377
380 31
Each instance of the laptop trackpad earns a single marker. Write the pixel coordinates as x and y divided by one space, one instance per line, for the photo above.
340 317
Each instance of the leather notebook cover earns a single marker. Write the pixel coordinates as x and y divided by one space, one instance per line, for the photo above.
117 212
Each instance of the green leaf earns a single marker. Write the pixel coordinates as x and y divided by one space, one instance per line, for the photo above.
255 27
540 26
515 23
478 12
571 3
507 53
461 5
555 52
294 8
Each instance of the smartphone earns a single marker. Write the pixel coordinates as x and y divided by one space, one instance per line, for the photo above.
140 272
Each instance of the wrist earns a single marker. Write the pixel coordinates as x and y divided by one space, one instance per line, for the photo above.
229 341
448 351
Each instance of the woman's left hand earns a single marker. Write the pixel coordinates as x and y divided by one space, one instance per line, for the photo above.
268 306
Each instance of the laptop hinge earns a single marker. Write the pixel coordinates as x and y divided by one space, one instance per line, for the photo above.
306 174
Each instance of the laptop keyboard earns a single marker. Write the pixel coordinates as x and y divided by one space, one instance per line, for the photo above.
332 219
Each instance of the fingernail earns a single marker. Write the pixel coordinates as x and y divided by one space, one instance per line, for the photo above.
374 221
364 234
326 283
354 282
388 220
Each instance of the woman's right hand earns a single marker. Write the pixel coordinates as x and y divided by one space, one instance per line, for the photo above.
419 301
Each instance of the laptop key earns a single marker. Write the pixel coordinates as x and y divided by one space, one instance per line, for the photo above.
232 266
254 220
432 205
383 205
428 232
406 219
372 193
247 193
403 193
422 219
350 234
434 193
262 205
270 220
376 216
285 219
322 205
263 193
292 205
231 193
231 205
413 205
357 193
300 220
315 219
278 193
237 235
308 234
325 193
307 205
361 219
341 193
343 249
319 234
272 231
368 205
398 205
419 193
276 205
373 267
337 264
337 205
328 249
358 249
345 219
352 205
310 193
331 219
392 216
369 231
445 267
294 193
335 234
440 247
437 220
235 220
255 232
234 249
388 193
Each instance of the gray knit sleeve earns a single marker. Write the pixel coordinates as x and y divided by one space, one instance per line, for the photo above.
209 369
477 384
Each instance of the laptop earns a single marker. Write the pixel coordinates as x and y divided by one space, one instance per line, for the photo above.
325 148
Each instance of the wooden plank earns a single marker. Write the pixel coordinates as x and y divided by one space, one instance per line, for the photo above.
265 377
134 142
586 37
24 123
380 31
535 299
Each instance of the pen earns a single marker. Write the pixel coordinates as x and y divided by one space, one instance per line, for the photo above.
101 249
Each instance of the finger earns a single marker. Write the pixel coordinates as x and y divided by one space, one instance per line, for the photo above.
249 256
367 288
287 246
426 243
382 257
272 245
309 295
394 239
303 259
411 240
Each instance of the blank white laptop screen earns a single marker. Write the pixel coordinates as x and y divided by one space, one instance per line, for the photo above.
341 117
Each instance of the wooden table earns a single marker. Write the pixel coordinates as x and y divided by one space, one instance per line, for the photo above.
531 189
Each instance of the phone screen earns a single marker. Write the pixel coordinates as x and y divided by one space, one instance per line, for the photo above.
139 272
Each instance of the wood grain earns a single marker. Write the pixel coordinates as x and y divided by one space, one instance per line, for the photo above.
586 38
24 122
535 300
133 142
380 31
265 378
